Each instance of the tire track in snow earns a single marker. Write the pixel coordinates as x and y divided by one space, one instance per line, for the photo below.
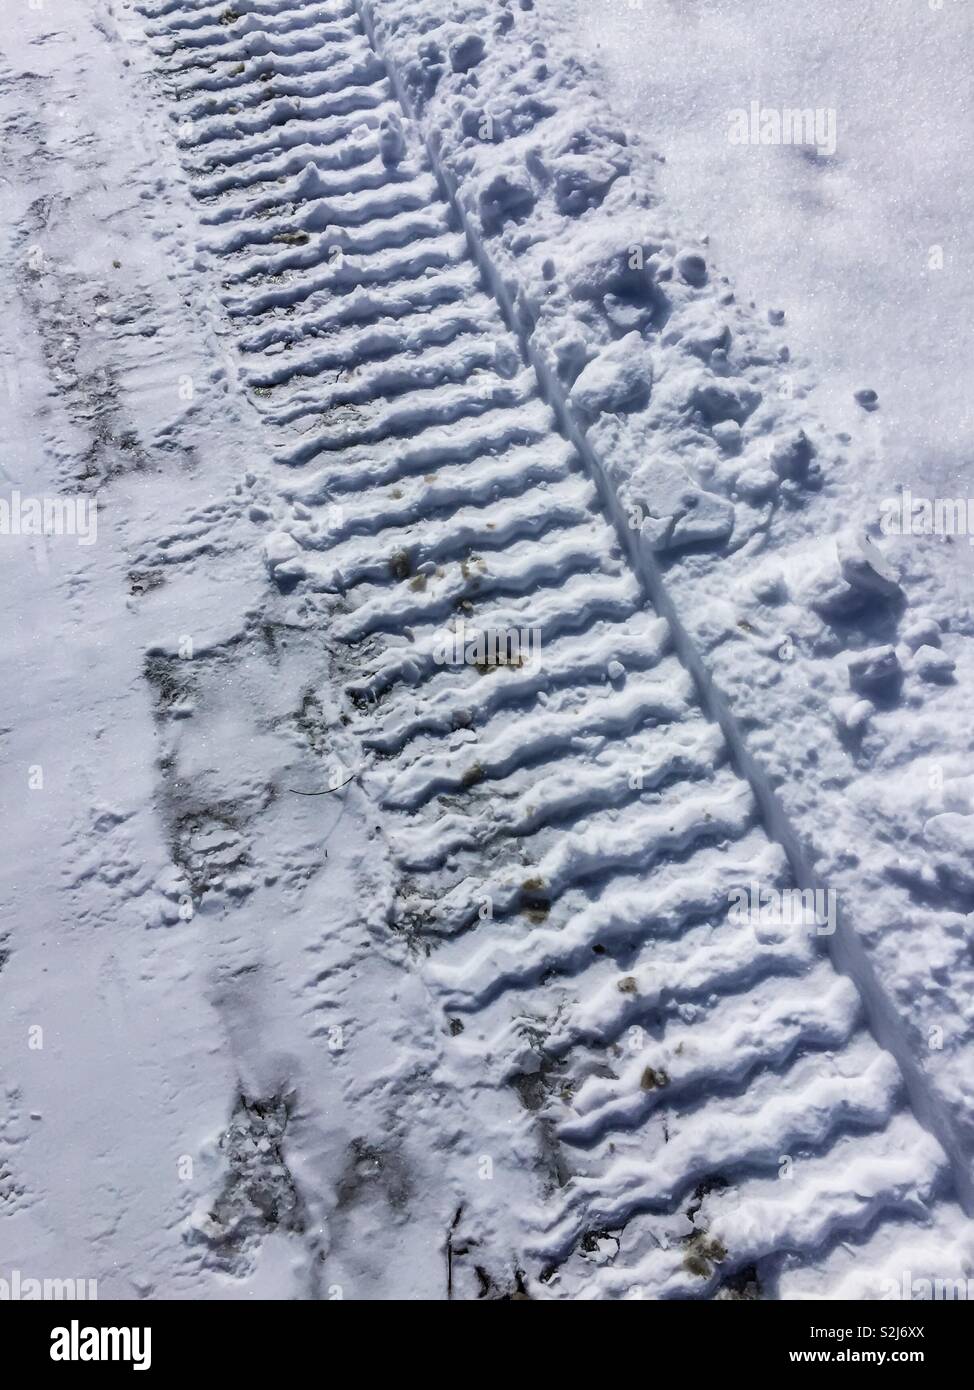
705 1109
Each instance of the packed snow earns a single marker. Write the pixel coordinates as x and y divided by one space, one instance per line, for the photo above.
486 779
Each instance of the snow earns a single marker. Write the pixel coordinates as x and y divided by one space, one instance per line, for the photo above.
359 972
845 246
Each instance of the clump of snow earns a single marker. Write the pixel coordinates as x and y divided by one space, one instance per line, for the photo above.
619 378
391 139
874 670
692 266
466 51
933 664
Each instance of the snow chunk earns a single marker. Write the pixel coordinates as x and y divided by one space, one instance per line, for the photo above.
756 484
873 669
679 512
852 715
855 575
727 433
392 141
281 549
466 52
619 378
933 664
864 567
790 458
707 518
923 633
692 267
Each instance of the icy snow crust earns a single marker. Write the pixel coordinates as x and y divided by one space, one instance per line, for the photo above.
424 976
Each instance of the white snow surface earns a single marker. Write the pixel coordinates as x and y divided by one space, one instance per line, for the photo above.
330 971
844 244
